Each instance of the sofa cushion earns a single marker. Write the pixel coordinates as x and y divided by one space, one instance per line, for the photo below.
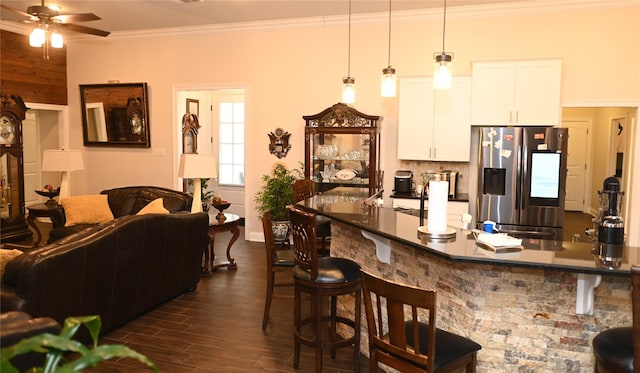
86 209
6 256
154 207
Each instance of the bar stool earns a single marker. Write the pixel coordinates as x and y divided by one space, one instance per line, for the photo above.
279 259
321 277
306 188
614 348
402 341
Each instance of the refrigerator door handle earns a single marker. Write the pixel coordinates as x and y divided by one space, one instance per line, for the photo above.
518 200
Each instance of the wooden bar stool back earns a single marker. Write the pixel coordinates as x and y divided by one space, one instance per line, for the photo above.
322 277
279 259
403 334
306 188
617 350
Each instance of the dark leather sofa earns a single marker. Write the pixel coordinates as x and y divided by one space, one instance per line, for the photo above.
16 326
125 201
118 269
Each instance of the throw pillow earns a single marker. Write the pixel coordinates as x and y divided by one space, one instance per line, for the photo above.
88 209
5 257
154 207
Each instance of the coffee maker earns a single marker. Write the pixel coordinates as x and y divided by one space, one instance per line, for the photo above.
609 225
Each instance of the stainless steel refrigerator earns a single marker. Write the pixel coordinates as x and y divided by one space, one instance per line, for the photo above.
521 176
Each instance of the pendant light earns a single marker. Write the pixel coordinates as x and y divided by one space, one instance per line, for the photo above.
442 73
388 85
348 82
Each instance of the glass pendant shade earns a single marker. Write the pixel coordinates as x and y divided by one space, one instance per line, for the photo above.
442 73
348 90
37 37
388 84
56 40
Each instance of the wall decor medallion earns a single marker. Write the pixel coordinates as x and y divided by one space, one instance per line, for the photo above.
279 142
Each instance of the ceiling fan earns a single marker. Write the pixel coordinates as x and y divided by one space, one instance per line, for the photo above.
45 16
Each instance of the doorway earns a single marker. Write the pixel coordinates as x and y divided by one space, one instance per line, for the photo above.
43 128
600 154
222 133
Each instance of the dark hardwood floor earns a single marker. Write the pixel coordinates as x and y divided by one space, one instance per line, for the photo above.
217 328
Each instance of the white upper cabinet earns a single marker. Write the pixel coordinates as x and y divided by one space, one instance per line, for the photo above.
522 92
433 125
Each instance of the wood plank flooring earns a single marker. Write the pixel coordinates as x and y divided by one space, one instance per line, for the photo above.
217 328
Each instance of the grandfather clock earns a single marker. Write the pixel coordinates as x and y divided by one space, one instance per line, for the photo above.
12 210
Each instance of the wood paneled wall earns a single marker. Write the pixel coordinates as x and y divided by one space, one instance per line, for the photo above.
24 71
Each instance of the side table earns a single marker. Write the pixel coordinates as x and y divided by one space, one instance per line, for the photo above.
40 210
215 226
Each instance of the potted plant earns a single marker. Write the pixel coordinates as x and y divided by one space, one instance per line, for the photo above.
67 355
276 194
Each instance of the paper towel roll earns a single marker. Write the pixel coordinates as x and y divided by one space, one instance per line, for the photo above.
437 214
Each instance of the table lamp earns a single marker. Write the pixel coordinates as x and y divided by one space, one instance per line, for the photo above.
196 167
63 161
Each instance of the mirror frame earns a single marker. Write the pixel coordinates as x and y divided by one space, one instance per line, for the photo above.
117 101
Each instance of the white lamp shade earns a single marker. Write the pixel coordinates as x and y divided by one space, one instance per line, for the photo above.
62 160
56 40
388 83
196 166
348 90
442 75
37 37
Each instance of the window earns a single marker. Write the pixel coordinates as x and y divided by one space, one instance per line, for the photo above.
231 143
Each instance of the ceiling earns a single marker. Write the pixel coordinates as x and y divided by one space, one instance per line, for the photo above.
131 15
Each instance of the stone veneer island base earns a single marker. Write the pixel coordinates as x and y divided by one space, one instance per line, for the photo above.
524 318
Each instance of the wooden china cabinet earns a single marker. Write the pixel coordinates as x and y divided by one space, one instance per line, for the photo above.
12 210
342 149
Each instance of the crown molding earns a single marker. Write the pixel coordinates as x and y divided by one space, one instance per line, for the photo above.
461 12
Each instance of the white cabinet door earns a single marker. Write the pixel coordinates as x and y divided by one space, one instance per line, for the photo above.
415 118
452 126
524 92
492 91
537 94
434 125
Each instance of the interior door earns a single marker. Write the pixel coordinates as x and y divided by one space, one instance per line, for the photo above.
579 151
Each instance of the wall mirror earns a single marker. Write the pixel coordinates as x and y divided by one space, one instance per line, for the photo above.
115 114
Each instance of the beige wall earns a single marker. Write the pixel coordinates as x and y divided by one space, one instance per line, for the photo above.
293 71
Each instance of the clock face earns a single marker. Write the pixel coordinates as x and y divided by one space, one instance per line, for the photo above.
7 130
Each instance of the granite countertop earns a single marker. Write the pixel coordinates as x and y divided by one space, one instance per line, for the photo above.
346 205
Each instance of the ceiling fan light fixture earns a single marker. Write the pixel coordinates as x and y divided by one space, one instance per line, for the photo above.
56 40
388 85
442 73
348 90
37 37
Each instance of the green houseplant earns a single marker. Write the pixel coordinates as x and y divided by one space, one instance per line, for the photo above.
58 347
277 191
275 195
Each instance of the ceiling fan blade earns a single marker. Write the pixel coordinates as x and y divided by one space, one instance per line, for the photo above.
24 14
80 17
84 29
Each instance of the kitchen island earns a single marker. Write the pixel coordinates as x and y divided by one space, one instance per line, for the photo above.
535 310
